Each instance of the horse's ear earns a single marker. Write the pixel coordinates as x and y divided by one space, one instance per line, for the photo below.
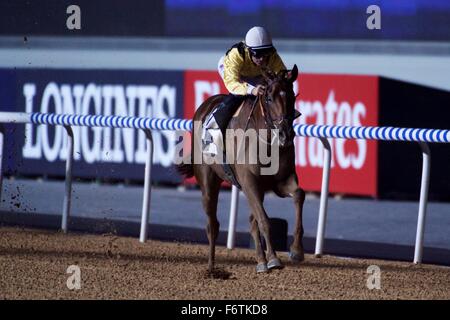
292 75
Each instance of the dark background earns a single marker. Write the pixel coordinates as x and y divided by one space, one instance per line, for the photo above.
407 105
424 20
98 17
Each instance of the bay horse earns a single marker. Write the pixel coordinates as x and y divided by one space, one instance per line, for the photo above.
274 109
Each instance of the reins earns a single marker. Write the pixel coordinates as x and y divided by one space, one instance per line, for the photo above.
266 116
258 99
251 112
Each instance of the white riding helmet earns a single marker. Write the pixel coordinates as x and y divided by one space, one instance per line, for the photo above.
258 38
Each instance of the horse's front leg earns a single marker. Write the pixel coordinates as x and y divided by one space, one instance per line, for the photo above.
260 255
255 200
297 252
290 188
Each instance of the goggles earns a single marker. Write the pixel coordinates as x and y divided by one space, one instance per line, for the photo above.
259 53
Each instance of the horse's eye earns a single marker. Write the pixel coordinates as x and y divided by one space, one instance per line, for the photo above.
268 100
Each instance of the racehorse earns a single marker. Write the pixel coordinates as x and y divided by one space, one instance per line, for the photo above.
273 110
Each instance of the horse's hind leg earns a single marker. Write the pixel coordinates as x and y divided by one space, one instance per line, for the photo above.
260 255
210 185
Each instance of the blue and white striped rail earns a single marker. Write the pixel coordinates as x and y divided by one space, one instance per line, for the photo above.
305 130
422 136
96 121
373 133
112 121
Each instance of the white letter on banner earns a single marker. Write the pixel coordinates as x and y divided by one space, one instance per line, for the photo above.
166 101
315 147
127 134
91 155
78 92
331 108
107 152
359 112
344 118
130 101
131 93
144 94
69 108
300 146
51 92
201 88
29 150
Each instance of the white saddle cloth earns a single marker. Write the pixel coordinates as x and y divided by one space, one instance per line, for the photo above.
212 140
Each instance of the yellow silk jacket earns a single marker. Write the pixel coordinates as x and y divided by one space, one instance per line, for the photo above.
237 68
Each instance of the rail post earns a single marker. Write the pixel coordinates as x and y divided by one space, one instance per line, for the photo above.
2 141
323 197
233 217
68 183
145 217
424 186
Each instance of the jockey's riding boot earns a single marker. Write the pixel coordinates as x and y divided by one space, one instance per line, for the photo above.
223 115
225 111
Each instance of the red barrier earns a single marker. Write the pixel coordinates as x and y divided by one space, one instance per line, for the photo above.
338 100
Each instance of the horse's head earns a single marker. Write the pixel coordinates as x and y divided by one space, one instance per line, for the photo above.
278 104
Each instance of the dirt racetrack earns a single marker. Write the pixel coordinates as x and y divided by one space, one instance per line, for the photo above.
33 265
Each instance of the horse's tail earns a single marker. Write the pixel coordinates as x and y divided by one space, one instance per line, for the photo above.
186 168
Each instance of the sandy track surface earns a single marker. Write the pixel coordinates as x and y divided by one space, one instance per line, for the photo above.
33 265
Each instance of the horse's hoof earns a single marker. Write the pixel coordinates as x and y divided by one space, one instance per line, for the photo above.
296 257
261 267
274 263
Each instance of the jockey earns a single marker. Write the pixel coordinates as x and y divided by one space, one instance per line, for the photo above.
241 70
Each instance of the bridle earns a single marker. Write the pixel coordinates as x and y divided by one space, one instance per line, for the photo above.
269 121
281 123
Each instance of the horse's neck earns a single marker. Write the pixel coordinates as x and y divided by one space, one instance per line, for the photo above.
261 125
258 116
